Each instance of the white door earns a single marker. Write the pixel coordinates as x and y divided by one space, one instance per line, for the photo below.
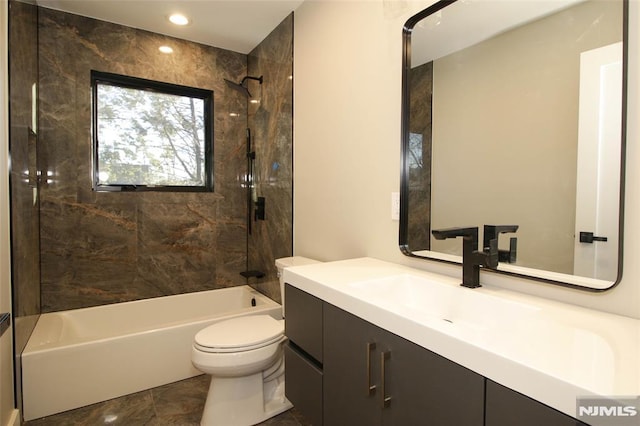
598 169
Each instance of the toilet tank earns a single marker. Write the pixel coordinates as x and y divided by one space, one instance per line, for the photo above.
290 261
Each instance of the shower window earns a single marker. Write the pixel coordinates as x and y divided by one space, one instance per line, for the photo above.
150 136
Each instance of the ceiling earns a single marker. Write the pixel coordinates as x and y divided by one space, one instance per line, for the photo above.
237 25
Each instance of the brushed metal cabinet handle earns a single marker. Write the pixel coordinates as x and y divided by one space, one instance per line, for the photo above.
385 400
371 389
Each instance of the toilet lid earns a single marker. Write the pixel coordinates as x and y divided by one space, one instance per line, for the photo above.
241 333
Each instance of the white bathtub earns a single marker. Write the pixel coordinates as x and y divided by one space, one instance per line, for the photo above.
83 356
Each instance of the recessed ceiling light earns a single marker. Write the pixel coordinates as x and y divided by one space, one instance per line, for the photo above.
178 19
165 49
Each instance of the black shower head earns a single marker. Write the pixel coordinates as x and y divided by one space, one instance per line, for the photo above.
240 87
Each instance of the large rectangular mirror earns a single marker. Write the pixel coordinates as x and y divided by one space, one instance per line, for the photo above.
514 114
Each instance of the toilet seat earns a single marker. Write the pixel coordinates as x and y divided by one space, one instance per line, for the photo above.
240 334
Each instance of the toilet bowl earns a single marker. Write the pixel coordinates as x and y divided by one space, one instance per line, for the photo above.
244 358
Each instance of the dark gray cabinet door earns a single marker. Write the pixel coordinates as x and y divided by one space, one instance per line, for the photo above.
506 407
427 389
346 379
413 386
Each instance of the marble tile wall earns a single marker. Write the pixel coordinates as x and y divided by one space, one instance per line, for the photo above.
421 87
99 247
23 69
271 121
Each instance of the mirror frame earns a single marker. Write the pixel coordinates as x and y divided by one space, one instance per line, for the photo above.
404 167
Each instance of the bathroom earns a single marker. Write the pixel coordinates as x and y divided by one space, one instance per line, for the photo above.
346 127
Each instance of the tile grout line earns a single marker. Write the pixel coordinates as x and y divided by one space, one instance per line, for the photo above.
153 403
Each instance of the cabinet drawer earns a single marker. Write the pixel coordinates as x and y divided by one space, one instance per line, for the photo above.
303 385
303 322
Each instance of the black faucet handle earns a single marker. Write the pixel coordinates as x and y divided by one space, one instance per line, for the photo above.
492 254
491 232
509 256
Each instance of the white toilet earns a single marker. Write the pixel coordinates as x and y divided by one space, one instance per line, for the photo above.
244 358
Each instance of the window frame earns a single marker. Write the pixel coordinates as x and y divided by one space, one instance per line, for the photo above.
118 80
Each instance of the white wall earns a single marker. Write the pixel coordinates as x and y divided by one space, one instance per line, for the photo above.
8 415
347 60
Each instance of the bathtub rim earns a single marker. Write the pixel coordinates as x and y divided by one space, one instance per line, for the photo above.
43 347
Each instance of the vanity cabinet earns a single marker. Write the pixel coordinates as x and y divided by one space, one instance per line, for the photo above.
506 407
343 370
373 377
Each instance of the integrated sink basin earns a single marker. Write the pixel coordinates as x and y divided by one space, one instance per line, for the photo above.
425 300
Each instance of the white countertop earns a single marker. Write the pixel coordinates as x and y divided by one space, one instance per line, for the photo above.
553 353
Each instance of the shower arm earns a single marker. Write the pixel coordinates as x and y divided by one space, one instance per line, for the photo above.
251 78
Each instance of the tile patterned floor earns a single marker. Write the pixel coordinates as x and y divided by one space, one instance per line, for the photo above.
178 404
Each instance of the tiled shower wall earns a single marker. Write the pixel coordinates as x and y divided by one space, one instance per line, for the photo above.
271 123
99 248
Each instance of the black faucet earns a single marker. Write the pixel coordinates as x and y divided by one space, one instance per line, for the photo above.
491 232
472 259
